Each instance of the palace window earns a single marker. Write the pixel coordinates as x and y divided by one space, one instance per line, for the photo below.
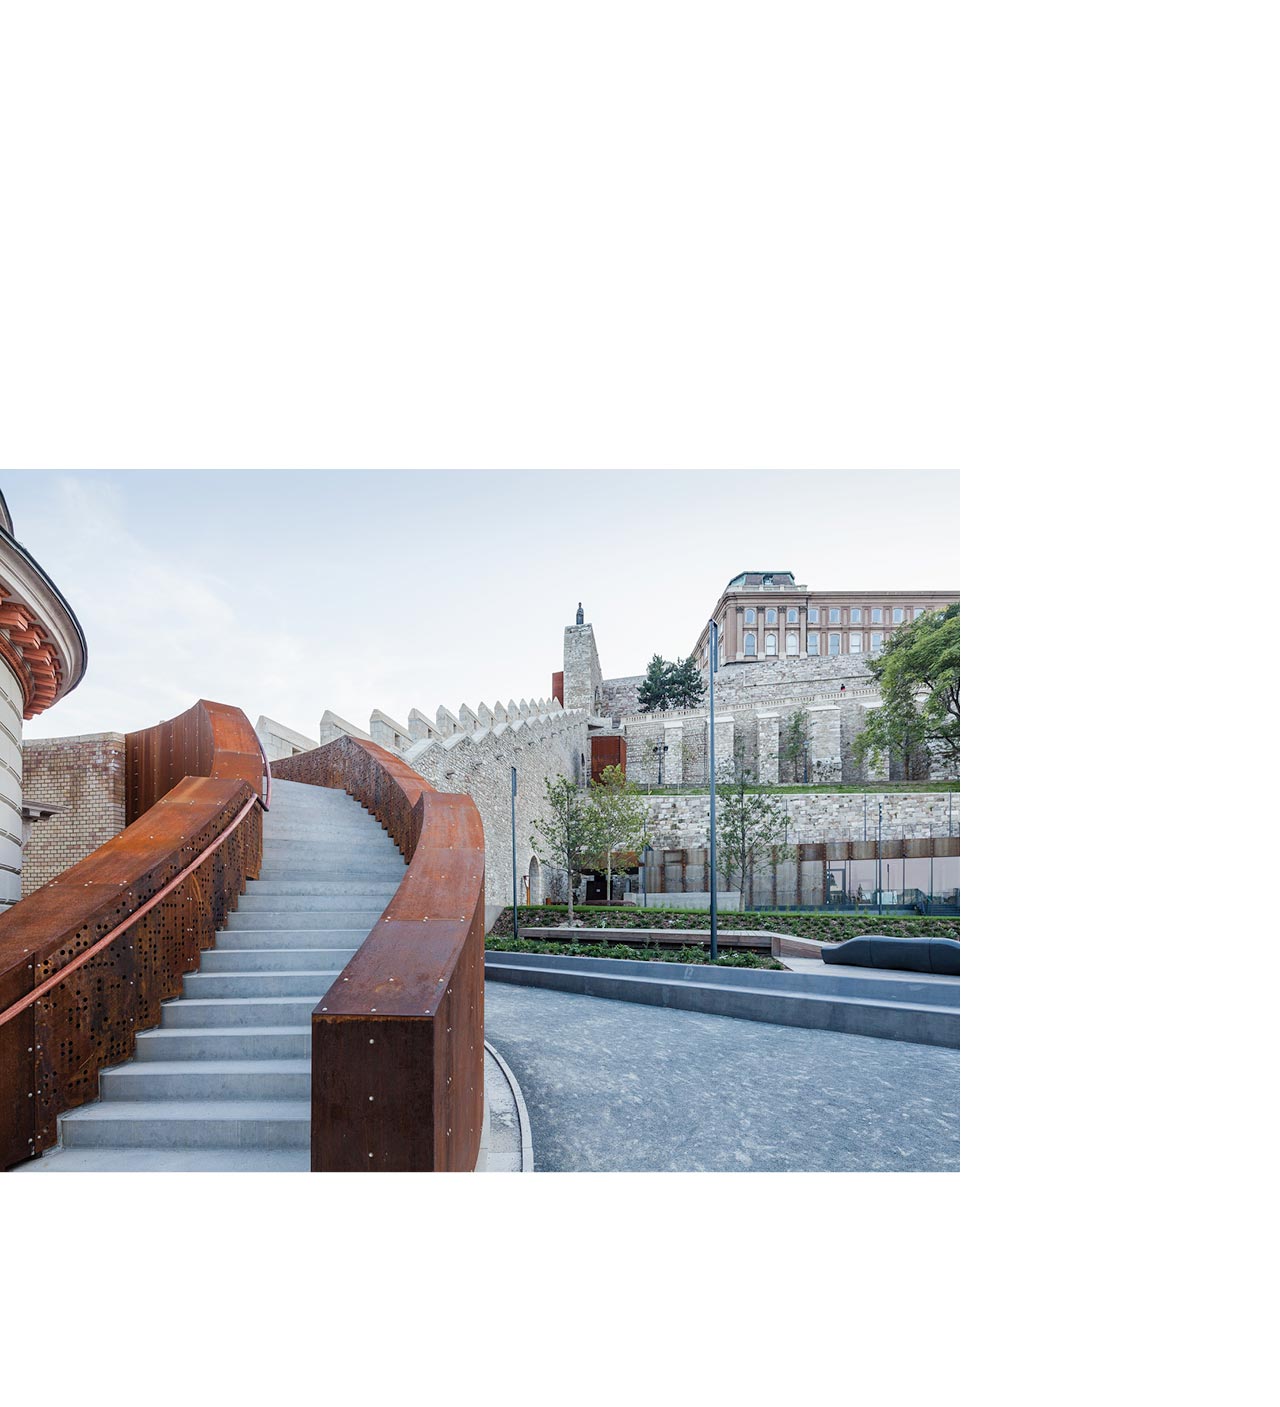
793 642
749 643
771 644
793 615
771 616
833 644
918 612
833 615
899 615
855 615
815 615
855 644
877 615
814 642
749 615
877 642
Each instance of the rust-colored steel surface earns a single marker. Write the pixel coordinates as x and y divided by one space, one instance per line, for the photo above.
205 832
208 740
397 1043
608 752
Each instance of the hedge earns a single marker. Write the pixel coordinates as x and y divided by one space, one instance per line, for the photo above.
623 950
823 927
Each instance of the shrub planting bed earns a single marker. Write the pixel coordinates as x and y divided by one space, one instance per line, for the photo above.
498 944
822 928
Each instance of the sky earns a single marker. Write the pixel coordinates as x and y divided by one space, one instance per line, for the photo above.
290 592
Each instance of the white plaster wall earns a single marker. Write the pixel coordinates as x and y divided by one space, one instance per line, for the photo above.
10 787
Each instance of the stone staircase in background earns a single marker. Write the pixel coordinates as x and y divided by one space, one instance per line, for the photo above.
224 1082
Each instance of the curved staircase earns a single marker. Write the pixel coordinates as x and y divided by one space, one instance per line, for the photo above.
224 1082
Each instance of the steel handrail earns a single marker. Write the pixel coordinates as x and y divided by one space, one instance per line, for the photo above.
80 959
266 766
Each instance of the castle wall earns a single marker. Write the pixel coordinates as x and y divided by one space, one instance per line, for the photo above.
582 678
478 762
683 821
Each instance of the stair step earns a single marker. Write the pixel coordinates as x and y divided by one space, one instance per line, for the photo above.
208 1079
222 1012
373 872
309 918
195 1123
166 1044
302 888
172 1160
311 984
255 939
254 903
288 959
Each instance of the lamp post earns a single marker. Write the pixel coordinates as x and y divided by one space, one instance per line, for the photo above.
879 831
515 893
715 652
659 750
931 867
645 857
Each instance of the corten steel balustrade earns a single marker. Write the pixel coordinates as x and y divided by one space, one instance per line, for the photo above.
397 1043
86 960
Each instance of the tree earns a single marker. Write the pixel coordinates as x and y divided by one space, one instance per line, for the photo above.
655 687
795 742
567 835
621 817
919 678
686 686
747 823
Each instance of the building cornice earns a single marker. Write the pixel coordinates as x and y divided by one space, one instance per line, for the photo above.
40 638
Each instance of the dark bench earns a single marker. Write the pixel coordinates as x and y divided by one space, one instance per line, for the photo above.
938 955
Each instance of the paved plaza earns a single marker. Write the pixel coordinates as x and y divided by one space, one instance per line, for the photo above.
619 1087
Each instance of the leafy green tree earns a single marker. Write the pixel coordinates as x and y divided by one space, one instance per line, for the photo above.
748 824
621 818
655 688
567 836
919 678
795 739
686 686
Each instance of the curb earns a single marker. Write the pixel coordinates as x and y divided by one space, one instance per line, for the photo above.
522 1110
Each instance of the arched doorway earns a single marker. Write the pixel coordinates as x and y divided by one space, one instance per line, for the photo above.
535 880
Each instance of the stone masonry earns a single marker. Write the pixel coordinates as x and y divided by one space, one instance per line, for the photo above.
582 680
85 774
683 821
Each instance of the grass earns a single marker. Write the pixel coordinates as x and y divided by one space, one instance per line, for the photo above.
500 944
790 789
822 927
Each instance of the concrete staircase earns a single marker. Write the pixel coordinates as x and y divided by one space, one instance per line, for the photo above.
224 1082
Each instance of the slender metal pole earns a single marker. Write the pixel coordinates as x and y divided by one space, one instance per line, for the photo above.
515 892
930 867
879 889
715 652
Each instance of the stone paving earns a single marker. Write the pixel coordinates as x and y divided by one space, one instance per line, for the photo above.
615 1086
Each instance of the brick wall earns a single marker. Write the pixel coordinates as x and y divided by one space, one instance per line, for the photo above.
86 775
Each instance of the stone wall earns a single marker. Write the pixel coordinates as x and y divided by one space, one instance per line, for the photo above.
620 697
683 821
86 774
834 721
478 760
582 679
278 741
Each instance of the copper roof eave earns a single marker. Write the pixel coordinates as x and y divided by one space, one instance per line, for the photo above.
50 654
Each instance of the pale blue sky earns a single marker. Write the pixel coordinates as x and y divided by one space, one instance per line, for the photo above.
291 592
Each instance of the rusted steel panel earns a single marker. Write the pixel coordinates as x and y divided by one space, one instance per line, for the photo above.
607 752
51 1051
208 740
397 1054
